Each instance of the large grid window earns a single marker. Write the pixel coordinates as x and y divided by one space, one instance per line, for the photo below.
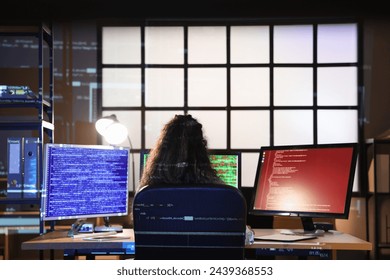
249 85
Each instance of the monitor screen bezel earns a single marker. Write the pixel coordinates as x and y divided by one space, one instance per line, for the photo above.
142 162
44 197
211 152
307 214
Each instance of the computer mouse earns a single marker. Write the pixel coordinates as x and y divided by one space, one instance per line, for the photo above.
319 232
287 231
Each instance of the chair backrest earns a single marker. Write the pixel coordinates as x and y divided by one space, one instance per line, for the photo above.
189 222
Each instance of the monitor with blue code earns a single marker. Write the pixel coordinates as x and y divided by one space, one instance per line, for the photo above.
84 181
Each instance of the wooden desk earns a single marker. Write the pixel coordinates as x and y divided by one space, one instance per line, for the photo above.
7 231
121 244
124 243
327 244
15 223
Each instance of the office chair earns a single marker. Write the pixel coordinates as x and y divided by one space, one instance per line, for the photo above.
255 221
189 222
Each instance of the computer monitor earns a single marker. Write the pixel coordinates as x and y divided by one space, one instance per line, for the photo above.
227 165
305 181
85 181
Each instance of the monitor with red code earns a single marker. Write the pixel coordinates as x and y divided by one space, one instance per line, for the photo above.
305 181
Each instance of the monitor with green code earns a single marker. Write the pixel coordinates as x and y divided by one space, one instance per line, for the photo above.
227 165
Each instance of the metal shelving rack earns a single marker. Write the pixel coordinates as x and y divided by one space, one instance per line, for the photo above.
44 123
378 151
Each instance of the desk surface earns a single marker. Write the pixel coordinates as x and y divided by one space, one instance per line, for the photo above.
329 241
58 240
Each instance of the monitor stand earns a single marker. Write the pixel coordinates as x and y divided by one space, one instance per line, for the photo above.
76 226
107 227
308 227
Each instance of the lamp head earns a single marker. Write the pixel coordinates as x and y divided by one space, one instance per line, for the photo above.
111 129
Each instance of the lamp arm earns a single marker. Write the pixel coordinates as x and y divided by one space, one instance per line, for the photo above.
132 161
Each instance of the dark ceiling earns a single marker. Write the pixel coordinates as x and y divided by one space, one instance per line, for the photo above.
122 9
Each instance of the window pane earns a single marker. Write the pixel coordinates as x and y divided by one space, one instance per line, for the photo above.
121 87
164 45
248 169
164 87
214 127
207 87
293 127
250 87
337 86
132 120
337 43
121 45
154 122
207 44
293 44
293 86
337 126
249 44
250 129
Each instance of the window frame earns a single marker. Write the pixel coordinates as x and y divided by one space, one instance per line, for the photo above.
228 23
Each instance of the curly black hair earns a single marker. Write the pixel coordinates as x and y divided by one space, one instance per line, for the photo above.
180 155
